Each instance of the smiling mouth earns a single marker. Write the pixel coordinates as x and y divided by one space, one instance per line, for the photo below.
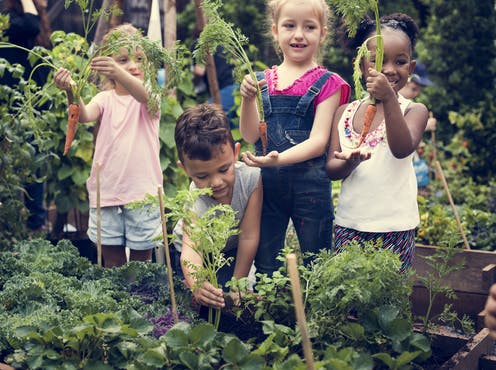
298 46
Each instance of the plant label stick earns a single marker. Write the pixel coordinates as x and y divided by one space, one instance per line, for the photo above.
300 313
448 193
98 217
167 254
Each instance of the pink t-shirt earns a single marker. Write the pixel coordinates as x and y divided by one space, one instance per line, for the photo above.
127 148
301 85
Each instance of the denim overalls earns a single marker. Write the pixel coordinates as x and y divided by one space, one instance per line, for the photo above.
300 191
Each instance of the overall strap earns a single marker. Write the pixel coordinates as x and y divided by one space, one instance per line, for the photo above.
310 95
265 94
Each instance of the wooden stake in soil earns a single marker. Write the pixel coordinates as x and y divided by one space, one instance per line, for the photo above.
440 173
300 312
167 254
98 218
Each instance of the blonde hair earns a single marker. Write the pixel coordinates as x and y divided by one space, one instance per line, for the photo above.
320 7
121 31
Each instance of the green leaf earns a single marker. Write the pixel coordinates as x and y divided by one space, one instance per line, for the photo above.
354 331
386 316
155 357
399 330
189 359
385 358
176 338
406 357
252 362
420 341
234 351
202 334
64 172
166 134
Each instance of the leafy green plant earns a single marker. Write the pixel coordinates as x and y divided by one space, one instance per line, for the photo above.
441 265
353 12
219 33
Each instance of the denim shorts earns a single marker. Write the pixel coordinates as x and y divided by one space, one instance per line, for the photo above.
133 228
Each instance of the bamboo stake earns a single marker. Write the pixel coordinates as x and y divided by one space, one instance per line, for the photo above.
440 173
98 217
167 254
300 312
433 144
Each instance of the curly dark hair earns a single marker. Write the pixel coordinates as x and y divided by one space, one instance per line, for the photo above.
396 21
201 130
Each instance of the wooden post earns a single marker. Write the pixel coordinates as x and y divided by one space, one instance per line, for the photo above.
440 173
98 218
167 254
170 32
102 25
211 71
300 312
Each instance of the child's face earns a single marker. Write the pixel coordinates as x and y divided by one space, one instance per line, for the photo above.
216 173
130 63
397 65
298 31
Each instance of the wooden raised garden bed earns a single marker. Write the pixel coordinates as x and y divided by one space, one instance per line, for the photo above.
470 353
470 283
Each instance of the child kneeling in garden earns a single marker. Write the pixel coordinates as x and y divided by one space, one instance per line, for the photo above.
209 156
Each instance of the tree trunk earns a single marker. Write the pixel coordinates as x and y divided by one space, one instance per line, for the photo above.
213 83
170 33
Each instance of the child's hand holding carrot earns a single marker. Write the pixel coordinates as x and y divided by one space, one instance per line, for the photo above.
378 85
63 80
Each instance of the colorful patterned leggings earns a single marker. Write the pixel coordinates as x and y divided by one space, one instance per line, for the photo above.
401 242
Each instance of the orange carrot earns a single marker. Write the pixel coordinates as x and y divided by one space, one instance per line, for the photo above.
367 122
262 131
71 126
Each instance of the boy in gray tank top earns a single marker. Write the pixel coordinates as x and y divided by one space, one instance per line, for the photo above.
209 156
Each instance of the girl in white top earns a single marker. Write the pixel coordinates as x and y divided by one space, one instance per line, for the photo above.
127 149
378 198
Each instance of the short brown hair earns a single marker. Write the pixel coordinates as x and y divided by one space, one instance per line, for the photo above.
201 130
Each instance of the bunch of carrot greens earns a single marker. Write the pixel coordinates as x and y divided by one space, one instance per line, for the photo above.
76 54
219 33
353 11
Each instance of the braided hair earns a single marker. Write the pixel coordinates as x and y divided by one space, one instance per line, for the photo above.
396 21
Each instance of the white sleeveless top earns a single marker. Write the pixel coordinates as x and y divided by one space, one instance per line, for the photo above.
380 195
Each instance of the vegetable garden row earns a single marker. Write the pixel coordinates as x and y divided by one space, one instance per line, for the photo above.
61 311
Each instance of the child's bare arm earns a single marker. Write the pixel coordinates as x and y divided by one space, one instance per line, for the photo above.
63 80
249 233
108 67
207 294
249 119
404 131
313 147
339 165
490 310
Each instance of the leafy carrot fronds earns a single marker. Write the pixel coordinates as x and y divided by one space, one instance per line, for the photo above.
353 11
217 32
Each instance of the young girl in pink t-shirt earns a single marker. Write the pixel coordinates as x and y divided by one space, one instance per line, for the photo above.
127 150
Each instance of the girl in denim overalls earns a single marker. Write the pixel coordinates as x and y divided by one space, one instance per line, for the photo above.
299 101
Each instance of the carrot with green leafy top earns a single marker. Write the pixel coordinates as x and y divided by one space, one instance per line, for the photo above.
353 11
72 122
367 122
72 119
